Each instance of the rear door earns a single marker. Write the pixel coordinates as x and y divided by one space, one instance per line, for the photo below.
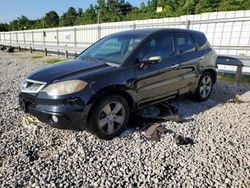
157 81
188 57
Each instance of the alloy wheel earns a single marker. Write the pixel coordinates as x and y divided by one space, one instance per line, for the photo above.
205 86
111 118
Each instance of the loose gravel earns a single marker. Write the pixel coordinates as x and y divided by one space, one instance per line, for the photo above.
48 157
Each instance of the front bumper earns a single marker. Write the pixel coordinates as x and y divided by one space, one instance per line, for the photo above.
69 115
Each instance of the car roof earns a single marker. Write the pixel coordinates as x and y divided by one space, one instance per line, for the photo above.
156 30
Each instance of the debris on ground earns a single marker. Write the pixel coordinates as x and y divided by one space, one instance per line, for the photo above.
10 49
30 121
149 119
155 131
237 99
156 113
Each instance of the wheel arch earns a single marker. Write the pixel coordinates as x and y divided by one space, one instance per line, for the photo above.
112 91
213 73
214 77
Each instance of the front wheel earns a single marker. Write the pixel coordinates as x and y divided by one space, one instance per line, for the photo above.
205 87
109 117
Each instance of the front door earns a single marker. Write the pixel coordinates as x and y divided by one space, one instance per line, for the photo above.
156 81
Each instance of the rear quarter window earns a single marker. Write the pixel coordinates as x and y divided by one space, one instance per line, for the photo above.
202 41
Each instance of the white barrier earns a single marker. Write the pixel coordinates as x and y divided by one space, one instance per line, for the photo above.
228 32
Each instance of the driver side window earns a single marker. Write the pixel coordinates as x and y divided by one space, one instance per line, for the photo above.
160 46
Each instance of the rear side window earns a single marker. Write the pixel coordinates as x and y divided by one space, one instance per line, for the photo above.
184 43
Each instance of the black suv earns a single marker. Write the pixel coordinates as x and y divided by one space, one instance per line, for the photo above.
118 75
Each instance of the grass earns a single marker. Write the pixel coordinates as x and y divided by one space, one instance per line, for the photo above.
50 61
37 57
231 78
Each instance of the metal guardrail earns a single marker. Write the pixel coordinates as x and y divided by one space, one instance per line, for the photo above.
238 61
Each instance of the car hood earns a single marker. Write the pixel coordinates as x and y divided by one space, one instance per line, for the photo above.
66 69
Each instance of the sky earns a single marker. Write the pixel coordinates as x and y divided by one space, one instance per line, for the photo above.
11 9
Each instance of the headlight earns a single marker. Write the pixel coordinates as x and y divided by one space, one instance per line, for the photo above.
66 87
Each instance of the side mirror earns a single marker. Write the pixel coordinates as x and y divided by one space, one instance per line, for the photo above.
151 60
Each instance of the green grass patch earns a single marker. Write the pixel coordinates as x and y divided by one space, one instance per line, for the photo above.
231 78
50 61
37 56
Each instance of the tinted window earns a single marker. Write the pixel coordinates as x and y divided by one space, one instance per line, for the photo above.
160 46
201 40
184 43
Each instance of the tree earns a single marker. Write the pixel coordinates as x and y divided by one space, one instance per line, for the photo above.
143 7
24 22
4 27
188 7
125 8
69 18
121 10
116 9
206 6
51 19
89 16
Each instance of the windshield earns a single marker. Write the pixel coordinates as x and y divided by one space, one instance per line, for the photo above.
114 49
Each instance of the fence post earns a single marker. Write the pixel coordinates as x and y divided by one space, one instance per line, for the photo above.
188 24
10 37
99 31
134 25
57 41
4 37
45 52
45 49
75 41
66 54
237 74
24 39
32 35
16 37
32 38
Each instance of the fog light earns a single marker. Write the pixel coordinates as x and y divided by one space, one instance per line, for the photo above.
55 119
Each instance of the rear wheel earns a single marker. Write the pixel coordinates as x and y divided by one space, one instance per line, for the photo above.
109 117
205 87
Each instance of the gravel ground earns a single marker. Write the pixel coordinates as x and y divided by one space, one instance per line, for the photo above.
47 157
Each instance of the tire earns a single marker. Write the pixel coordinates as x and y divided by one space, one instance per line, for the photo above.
109 117
205 87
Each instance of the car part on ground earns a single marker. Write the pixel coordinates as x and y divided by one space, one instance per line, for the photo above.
155 131
156 113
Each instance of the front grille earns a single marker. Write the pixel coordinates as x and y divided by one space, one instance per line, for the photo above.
32 86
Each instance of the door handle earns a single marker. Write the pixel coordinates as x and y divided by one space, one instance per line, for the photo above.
174 66
200 58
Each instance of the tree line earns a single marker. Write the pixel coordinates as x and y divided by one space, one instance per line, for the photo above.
121 10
